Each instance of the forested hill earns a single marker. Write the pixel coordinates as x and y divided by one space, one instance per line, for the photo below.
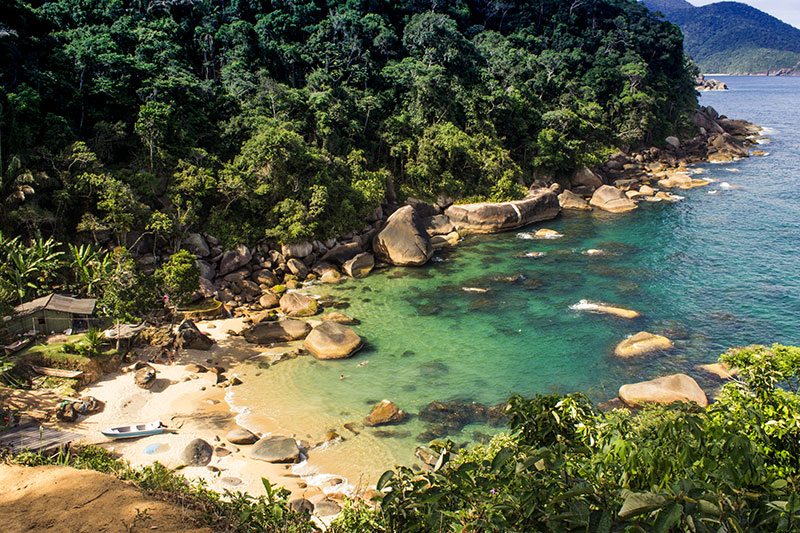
286 119
733 37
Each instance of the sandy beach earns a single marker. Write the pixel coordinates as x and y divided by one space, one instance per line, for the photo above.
193 407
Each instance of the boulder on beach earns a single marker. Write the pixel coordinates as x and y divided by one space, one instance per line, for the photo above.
359 266
297 267
296 304
570 200
642 343
403 241
265 277
241 436
280 331
298 250
383 413
276 449
197 453
540 204
190 337
145 377
612 200
331 340
668 389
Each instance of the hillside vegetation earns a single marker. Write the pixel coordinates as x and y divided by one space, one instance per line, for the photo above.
732 37
287 120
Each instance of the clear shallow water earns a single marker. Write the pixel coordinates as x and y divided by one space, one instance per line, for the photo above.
711 272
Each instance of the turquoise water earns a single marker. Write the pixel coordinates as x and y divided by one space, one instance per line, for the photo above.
710 272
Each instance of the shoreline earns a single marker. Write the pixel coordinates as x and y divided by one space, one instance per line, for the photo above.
199 409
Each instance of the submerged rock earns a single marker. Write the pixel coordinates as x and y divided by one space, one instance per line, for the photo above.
668 389
642 343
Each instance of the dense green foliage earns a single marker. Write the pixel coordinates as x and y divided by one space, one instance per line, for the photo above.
732 37
732 467
232 511
122 290
291 119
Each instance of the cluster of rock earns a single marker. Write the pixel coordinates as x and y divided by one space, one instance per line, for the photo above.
625 178
702 84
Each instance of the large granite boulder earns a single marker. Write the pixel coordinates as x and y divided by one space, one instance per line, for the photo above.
642 343
297 267
331 340
268 300
280 331
384 412
611 199
276 449
570 200
702 119
585 178
296 304
197 453
540 204
234 259
403 241
727 145
438 225
190 337
359 266
674 388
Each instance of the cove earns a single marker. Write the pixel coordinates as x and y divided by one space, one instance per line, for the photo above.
717 270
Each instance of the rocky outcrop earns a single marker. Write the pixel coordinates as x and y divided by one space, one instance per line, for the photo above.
340 318
611 199
297 250
196 244
702 84
540 204
642 343
359 266
403 241
383 413
276 449
190 337
331 340
296 304
570 200
674 388
280 331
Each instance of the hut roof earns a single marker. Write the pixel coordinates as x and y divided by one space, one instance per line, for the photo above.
56 302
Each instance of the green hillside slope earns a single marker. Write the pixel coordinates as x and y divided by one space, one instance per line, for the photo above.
732 37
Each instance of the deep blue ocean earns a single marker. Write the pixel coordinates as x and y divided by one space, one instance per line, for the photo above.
717 270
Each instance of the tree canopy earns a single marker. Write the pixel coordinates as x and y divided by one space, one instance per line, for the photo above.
287 120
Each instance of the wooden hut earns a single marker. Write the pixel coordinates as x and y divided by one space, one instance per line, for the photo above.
53 313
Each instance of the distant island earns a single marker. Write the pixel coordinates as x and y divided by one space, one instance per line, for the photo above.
734 38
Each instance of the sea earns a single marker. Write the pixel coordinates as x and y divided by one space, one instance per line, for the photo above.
487 318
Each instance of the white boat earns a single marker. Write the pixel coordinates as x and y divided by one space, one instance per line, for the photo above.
139 430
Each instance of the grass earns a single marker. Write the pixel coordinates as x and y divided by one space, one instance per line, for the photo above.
231 511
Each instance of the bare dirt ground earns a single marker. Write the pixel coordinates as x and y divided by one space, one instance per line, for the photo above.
55 498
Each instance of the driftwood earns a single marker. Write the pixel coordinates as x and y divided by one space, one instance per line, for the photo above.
56 372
